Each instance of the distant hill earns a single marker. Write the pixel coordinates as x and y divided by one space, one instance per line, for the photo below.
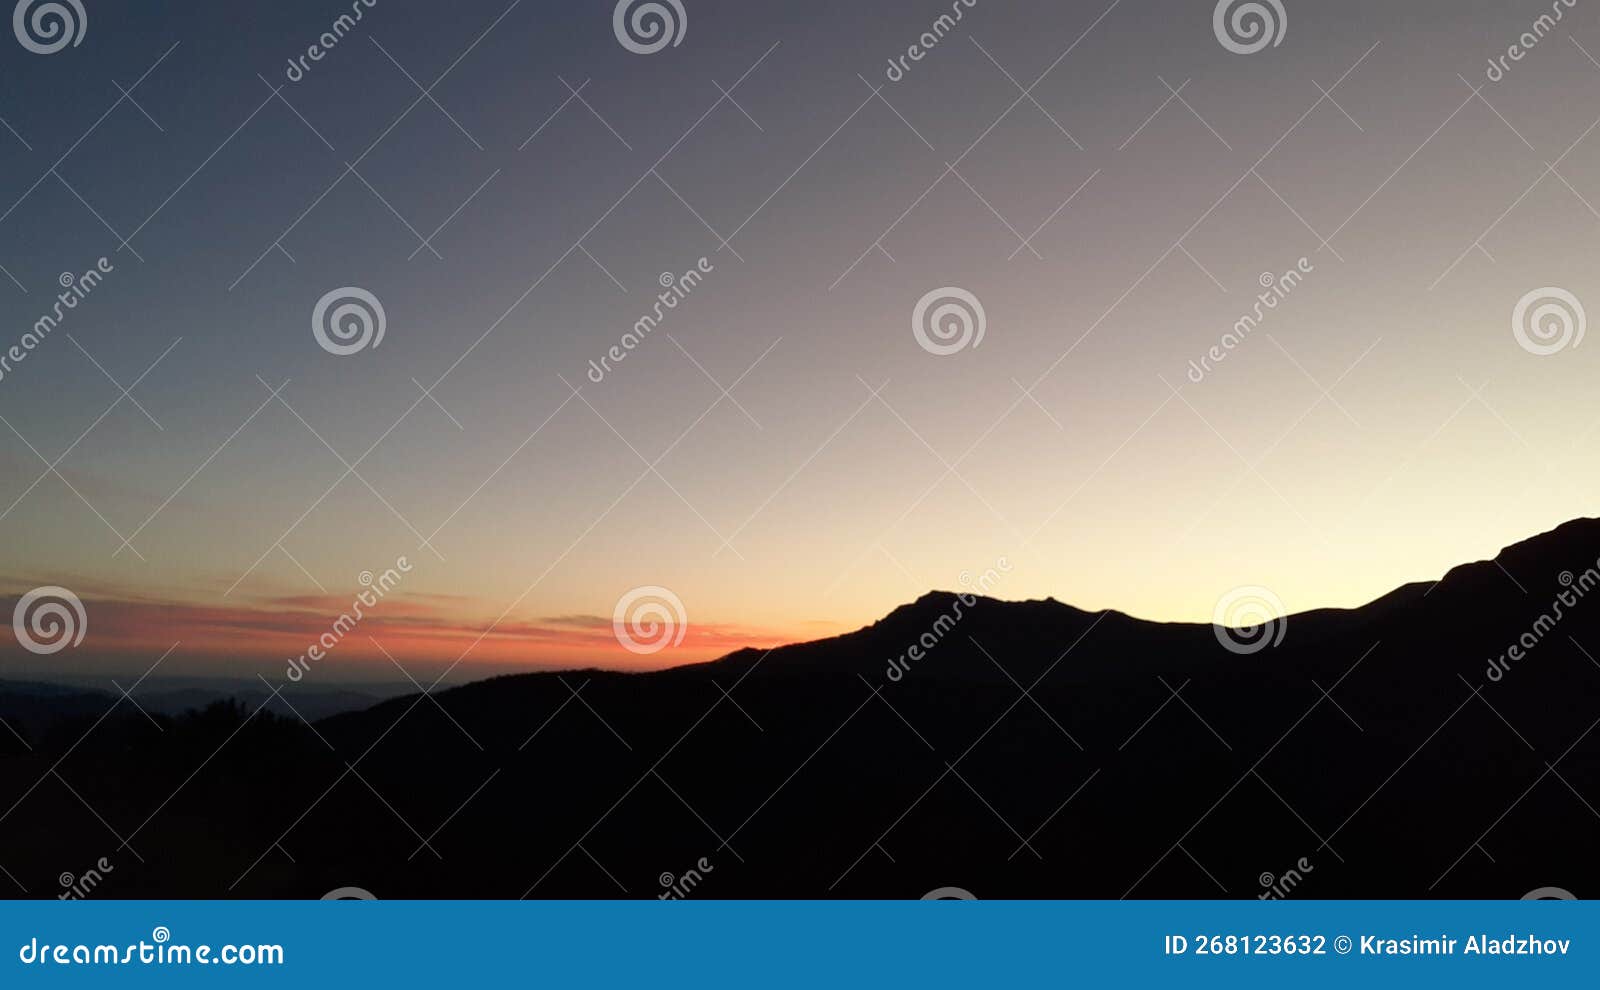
1370 753
37 704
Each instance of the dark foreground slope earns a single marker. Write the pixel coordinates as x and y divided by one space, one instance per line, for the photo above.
1035 751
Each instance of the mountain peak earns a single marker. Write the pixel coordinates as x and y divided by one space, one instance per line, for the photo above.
1536 562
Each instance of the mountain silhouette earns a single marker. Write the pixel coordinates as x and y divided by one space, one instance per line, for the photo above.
1024 749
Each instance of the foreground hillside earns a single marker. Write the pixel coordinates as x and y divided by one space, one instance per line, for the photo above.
1028 750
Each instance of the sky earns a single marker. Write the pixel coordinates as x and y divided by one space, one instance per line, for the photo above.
786 453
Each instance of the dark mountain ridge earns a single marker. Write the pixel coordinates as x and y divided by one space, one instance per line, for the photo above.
1025 749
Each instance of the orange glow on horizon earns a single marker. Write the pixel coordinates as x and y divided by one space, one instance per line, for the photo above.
313 630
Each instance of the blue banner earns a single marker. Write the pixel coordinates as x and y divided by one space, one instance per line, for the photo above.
714 944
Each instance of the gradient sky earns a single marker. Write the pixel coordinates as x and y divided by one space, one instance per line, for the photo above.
1440 441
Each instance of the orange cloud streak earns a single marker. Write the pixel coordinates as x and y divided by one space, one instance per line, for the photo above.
287 627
